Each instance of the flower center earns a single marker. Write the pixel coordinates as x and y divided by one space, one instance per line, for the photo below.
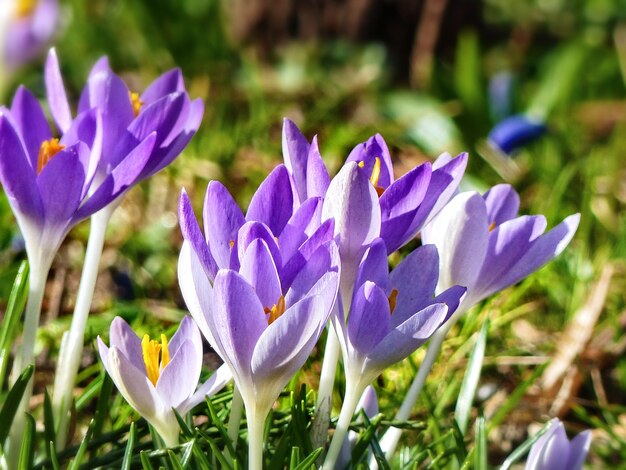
492 226
24 8
393 298
136 102
155 356
374 177
48 149
276 311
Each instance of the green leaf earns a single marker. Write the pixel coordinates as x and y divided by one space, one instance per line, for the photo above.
145 460
103 411
12 402
76 461
27 450
468 72
220 427
295 457
52 452
130 444
49 430
480 455
187 432
470 380
174 460
309 462
12 314
186 458
221 457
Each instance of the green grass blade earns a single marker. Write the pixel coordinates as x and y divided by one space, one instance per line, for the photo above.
49 430
174 460
470 380
523 448
480 455
145 460
76 461
52 452
128 453
27 449
15 306
12 402
309 461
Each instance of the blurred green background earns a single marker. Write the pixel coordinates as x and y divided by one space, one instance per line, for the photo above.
420 73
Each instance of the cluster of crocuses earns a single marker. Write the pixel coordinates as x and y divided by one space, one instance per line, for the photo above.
310 253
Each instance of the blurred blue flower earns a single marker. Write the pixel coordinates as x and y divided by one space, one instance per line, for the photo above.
514 132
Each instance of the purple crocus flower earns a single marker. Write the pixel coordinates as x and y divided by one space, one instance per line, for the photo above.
391 315
155 378
406 204
292 237
553 451
263 333
27 27
485 246
514 132
162 118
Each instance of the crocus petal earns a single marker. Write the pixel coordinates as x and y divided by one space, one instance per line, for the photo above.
399 206
192 233
444 182
134 385
317 179
367 152
252 231
415 280
368 322
119 179
222 220
55 90
285 345
406 338
543 249
301 226
352 201
272 203
161 116
179 378
323 260
258 267
578 450
61 183
87 128
187 331
507 244
16 173
214 384
196 288
169 82
550 452
238 321
126 341
30 122
460 232
375 267
502 203
295 153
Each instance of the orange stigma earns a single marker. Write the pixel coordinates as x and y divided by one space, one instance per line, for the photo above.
393 298
48 149
276 311
492 226
136 102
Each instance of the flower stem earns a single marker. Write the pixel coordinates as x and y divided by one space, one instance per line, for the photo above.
234 420
256 427
324 403
353 393
72 346
25 356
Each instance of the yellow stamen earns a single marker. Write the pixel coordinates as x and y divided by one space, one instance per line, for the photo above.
375 172
393 298
48 149
151 350
24 8
135 100
231 243
492 226
276 311
361 164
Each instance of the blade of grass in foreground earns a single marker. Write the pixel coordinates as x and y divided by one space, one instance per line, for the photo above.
7 414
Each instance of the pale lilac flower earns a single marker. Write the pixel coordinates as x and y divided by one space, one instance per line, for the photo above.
155 378
484 245
27 28
553 451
